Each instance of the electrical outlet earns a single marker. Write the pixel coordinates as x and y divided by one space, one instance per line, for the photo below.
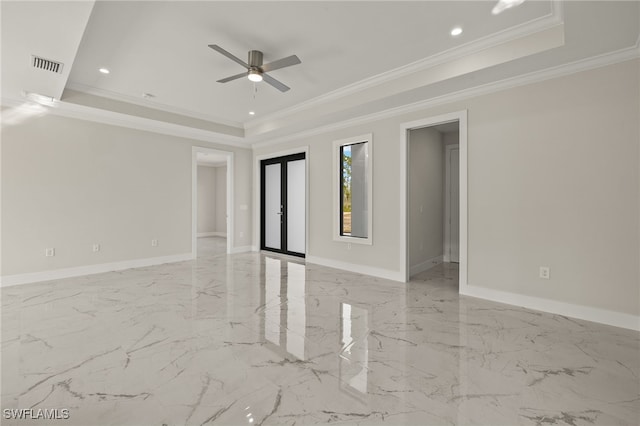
545 272
96 248
154 243
348 246
50 252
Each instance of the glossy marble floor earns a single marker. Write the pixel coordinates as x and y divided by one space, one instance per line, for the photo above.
256 340
211 246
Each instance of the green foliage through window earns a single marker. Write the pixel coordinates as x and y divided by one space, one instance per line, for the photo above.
345 157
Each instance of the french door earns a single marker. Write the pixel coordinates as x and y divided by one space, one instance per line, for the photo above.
283 204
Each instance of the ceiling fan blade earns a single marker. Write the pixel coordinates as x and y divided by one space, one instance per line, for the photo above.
281 63
233 77
275 83
228 55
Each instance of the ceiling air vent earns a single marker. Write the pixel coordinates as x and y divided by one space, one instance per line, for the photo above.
46 64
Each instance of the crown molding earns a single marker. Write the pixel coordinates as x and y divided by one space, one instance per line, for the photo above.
71 110
81 112
594 62
90 90
552 19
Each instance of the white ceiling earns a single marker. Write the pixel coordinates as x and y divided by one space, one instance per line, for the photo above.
52 30
357 57
161 47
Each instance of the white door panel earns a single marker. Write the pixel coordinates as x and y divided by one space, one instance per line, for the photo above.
296 187
273 203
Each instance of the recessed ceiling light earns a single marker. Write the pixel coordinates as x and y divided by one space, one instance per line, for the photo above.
456 31
252 113
104 71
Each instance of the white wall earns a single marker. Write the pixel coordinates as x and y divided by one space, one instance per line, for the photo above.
451 138
425 197
207 199
69 183
553 180
221 200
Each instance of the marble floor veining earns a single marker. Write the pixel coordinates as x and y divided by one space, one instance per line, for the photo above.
252 339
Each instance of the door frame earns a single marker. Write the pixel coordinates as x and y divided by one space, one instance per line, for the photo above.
257 187
284 203
195 150
461 117
447 200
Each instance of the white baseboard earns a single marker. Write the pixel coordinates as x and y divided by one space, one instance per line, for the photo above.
242 249
56 274
603 316
211 234
359 269
427 264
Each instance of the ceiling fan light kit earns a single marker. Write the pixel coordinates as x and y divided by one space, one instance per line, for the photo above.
256 71
254 75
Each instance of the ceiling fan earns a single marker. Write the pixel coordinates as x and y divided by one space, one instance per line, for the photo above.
256 71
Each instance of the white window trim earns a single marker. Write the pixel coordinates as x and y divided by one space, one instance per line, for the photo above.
335 213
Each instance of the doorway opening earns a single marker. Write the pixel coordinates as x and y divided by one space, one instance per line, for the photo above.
433 206
283 204
434 196
211 202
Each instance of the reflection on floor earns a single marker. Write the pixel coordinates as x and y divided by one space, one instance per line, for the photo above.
211 246
253 339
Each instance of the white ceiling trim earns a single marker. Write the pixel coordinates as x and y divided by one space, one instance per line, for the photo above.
553 19
71 110
524 46
151 104
609 58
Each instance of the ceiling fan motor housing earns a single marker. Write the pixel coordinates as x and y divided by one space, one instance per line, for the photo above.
255 59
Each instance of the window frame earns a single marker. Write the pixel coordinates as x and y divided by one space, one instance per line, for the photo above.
337 189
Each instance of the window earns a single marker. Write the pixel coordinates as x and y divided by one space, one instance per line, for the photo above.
352 189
